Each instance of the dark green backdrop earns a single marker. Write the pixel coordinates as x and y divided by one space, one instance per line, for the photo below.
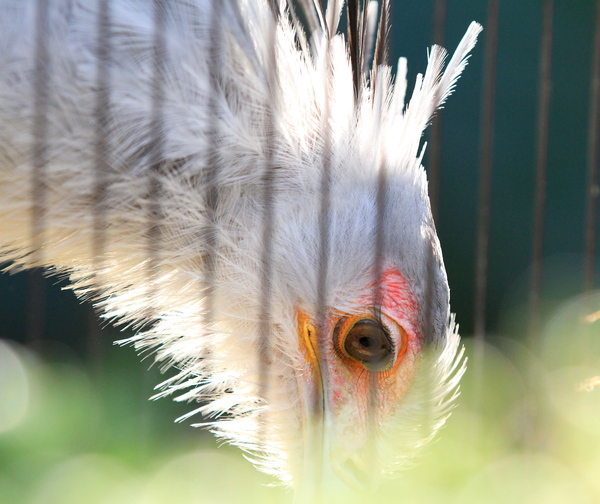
514 156
125 425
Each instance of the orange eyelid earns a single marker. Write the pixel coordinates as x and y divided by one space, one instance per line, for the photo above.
341 330
347 324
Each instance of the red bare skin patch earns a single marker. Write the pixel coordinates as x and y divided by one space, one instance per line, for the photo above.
349 389
399 303
350 384
397 297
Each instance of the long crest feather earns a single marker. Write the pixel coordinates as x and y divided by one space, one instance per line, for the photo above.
354 44
319 8
363 29
370 34
318 19
309 10
333 16
383 32
246 116
381 55
432 89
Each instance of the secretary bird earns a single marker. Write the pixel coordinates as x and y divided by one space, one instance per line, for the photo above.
243 184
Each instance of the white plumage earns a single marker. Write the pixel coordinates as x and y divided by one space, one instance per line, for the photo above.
189 148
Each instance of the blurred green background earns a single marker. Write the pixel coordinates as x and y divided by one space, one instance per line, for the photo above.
75 422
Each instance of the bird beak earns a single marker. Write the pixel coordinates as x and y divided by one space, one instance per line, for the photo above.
321 474
312 396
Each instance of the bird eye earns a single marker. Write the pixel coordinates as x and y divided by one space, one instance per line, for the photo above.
367 341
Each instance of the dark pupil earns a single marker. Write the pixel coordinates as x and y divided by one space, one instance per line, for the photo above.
369 343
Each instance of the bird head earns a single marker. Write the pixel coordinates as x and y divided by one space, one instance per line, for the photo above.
249 192
285 254
333 370
372 350
330 355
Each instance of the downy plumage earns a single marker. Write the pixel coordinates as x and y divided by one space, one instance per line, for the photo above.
232 178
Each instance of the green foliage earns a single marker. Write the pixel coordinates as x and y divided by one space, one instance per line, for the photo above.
526 430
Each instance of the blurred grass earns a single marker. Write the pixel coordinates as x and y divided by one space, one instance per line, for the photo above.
69 436
526 430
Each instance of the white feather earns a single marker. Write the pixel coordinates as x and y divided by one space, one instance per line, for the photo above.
221 364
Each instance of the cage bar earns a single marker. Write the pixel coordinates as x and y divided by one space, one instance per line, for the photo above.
543 124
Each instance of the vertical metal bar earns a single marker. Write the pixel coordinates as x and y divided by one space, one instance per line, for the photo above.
591 200
533 427
323 275
101 169
154 211
36 299
325 210
266 293
591 197
428 329
485 191
381 207
433 175
378 100
485 168
543 120
211 189
435 138
439 22
154 184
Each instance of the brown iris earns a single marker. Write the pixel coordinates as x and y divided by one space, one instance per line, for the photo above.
365 340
